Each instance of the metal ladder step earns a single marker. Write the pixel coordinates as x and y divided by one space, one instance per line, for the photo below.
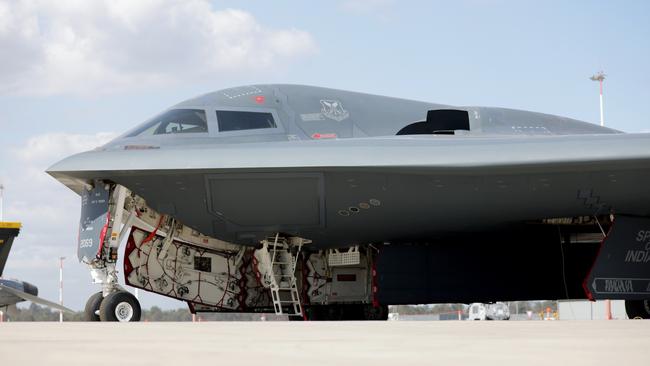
282 261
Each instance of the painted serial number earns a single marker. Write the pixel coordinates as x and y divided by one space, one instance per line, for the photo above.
85 243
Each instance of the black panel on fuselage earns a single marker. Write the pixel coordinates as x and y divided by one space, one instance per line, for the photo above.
439 121
262 200
531 263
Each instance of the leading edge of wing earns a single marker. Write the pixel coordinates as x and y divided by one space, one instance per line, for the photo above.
398 151
35 299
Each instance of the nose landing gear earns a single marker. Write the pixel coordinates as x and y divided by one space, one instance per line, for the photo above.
119 306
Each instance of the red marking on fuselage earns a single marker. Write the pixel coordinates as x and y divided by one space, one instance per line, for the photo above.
318 136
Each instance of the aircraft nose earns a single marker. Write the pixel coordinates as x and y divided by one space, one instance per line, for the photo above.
30 289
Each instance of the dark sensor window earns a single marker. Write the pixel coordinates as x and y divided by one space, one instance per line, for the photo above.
203 264
174 121
237 121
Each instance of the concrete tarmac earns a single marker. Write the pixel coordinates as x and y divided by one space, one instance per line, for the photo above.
617 343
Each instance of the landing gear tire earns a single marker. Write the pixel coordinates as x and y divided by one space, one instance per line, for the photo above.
637 309
91 311
120 306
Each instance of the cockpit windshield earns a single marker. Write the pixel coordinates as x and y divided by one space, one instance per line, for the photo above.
238 120
174 121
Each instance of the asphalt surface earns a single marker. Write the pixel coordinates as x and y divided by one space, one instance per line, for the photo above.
618 343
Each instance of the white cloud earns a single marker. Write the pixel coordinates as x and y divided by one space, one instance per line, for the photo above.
76 46
53 146
48 210
46 207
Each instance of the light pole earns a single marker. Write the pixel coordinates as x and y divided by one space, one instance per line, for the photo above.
61 287
599 77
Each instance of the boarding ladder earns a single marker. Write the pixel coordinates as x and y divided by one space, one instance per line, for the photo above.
284 288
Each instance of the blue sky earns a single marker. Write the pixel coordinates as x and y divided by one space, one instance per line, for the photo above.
75 73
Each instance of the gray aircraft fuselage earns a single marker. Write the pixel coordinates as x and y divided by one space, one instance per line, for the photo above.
344 168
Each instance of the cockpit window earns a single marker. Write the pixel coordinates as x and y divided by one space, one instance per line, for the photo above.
174 121
236 120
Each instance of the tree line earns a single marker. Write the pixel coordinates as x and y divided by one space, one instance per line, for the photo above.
155 314
37 313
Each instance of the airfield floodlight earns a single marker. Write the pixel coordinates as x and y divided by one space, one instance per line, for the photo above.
61 287
599 77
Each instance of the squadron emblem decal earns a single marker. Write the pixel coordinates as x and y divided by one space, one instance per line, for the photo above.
333 109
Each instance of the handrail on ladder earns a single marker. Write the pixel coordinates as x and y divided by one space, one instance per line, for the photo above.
275 244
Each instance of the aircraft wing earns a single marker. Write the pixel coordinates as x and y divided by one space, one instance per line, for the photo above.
34 299
426 184
434 153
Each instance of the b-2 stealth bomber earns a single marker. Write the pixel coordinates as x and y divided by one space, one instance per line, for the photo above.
326 204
